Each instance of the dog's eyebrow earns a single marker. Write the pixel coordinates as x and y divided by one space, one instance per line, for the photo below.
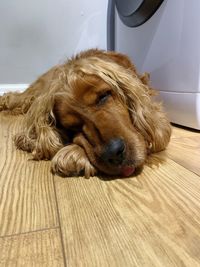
90 97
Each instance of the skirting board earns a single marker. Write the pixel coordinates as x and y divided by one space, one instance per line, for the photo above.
182 108
5 88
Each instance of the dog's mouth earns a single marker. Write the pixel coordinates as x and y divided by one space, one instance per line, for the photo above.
127 171
123 170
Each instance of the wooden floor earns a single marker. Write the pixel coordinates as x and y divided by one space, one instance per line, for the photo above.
149 220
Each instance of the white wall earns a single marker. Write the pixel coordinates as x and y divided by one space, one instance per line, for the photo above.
35 35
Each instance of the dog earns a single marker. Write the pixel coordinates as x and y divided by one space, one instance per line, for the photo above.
94 113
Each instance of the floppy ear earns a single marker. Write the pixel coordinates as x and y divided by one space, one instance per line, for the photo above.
40 136
147 115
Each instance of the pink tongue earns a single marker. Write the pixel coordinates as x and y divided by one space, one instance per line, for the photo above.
127 171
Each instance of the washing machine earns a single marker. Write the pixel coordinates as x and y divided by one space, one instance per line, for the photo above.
162 37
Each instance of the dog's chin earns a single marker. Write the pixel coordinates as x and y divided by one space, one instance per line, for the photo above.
124 170
131 165
121 171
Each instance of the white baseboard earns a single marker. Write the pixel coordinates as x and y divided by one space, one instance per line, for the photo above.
5 88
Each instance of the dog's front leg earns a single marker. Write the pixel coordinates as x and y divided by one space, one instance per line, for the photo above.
71 160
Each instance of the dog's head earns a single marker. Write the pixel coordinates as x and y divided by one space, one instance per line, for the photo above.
106 108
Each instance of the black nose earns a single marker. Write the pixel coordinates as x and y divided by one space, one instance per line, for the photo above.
114 152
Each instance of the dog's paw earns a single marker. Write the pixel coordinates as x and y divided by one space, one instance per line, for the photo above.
71 160
23 142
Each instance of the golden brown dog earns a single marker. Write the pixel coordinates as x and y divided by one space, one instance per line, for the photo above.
92 113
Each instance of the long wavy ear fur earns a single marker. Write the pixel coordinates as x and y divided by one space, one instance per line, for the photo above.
40 135
150 120
147 115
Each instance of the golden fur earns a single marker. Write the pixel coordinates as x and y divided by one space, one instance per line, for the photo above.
73 111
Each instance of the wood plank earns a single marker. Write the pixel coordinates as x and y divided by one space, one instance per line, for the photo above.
178 131
27 198
186 152
149 220
41 248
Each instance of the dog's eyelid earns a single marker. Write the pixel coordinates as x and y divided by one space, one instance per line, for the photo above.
102 98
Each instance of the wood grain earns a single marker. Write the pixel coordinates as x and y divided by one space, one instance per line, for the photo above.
40 249
27 199
149 220
186 152
152 219
179 132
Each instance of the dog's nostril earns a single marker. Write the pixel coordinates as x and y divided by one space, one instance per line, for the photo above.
114 152
120 151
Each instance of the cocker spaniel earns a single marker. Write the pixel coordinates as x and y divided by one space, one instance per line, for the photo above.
92 113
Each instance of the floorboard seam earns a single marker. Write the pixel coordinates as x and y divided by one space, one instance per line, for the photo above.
171 158
30 232
59 222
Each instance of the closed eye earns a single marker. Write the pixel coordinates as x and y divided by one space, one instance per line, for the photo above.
102 98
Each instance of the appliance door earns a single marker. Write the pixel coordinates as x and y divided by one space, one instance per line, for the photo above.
130 29
136 12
